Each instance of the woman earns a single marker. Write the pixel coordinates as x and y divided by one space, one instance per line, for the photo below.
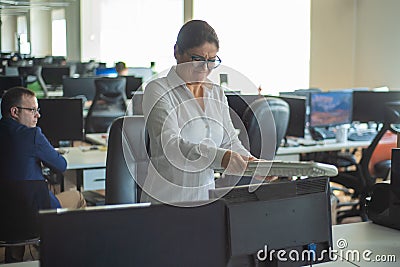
188 121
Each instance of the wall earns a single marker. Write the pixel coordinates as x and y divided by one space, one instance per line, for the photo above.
378 44
355 43
73 31
8 30
332 43
40 22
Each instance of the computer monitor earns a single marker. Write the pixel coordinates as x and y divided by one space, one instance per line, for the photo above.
82 86
297 115
53 75
330 108
132 85
7 82
61 119
135 235
238 103
370 105
285 215
106 72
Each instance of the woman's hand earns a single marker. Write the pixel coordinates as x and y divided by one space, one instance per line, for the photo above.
234 163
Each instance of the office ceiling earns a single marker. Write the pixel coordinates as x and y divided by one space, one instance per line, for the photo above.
20 7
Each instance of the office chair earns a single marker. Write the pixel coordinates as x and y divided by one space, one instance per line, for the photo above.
266 121
127 160
108 104
361 179
33 75
20 202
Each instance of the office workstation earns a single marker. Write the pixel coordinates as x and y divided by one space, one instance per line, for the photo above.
326 126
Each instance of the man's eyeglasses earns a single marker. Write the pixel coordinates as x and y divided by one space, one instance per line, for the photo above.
32 110
199 61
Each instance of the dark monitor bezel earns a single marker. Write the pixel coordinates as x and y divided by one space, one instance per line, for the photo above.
136 235
7 82
297 115
369 106
348 120
79 86
61 119
54 75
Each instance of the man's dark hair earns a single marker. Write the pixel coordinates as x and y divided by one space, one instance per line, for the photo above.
12 97
195 33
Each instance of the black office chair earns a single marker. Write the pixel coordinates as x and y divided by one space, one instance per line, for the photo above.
266 121
31 75
361 180
108 104
20 202
127 160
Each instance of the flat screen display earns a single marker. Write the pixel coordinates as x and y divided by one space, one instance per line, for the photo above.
61 119
330 108
370 106
297 115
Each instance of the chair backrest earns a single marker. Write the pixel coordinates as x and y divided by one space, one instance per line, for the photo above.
35 71
266 121
20 201
127 160
392 118
108 104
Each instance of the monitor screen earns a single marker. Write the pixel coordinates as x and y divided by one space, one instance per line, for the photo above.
135 235
7 82
370 106
330 108
61 119
132 85
54 75
79 86
238 102
297 115
107 72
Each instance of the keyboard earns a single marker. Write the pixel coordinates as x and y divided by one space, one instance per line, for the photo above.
288 168
365 136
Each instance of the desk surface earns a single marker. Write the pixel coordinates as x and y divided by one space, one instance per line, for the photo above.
83 158
326 145
378 242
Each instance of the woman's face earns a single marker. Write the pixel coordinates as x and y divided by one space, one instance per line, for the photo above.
192 64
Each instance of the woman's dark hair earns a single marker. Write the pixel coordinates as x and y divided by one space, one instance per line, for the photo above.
13 97
195 33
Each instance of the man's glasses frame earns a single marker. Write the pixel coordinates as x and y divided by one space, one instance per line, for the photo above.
32 110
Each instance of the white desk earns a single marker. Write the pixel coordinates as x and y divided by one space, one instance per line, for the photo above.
380 240
97 138
81 159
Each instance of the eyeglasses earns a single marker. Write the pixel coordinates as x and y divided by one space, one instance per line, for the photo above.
32 110
199 61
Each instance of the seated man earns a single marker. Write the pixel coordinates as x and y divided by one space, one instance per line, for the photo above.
24 149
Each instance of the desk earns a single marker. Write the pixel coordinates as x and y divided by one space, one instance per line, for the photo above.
379 240
80 160
293 153
283 153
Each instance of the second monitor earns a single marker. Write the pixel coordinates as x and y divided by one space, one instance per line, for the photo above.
330 108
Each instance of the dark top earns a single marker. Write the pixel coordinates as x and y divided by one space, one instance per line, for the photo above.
23 150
